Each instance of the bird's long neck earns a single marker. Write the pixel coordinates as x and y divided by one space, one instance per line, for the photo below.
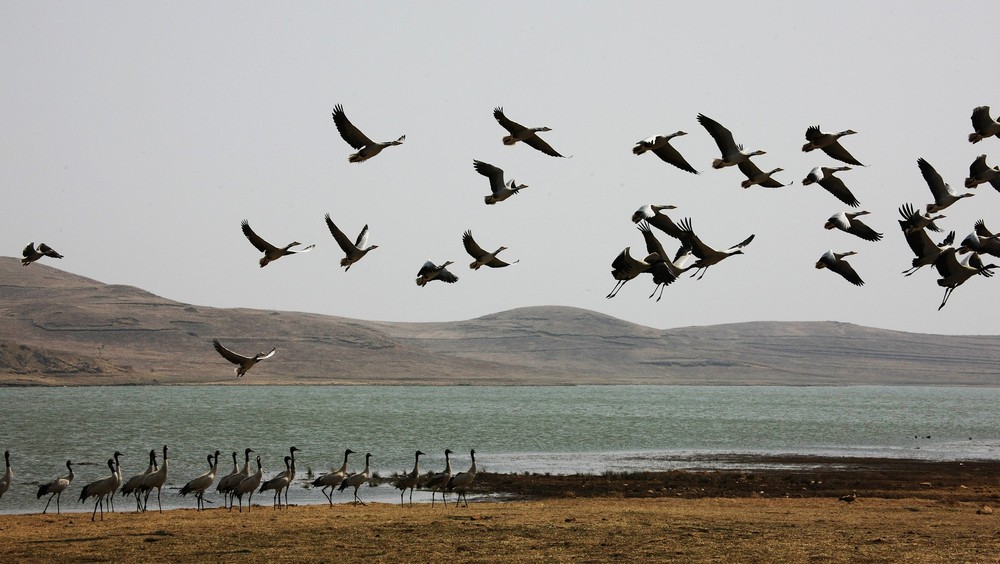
447 464
472 469
236 464
343 468
70 468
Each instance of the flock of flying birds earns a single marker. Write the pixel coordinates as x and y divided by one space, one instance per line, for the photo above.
915 224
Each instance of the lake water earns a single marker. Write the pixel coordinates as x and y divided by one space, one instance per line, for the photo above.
564 430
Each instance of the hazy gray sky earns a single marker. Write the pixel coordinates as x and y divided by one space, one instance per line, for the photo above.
137 135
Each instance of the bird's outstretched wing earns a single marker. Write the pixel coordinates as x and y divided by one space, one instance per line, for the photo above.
229 355
723 137
351 134
837 151
338 235
511 126
255 240
538 143
494 173
471 246
29 250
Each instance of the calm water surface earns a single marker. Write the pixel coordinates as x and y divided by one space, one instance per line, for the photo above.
575 429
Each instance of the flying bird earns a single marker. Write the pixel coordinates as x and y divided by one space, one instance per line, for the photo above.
981 241
271 253
500 190
30 254
366 147
848 222
527 134
824 176
430 271
944 194
355 251
625 268
664 271
983 125
836 263
482 257
756 176
924 250
954 273
732 154
660 146
829 143
243 363
980 173
917 220
651 213
707 256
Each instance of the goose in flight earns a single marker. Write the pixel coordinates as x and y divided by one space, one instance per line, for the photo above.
954 273
271 253
829 143
982 241
625 268
527 134
661 147
500 190
482 257
430 271
31 254
243 363
848 222
983 125
756 176
944 194
355 251
836 263
917 220
651 213
707 256
980 173
732 154
824 177
365 146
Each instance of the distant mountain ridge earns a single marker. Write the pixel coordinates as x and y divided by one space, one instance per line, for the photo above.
58 328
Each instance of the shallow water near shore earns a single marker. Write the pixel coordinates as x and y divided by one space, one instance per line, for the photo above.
563 430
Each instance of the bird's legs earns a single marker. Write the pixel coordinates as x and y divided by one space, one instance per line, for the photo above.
618 286
947 294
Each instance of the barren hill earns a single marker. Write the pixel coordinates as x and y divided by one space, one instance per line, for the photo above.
61 329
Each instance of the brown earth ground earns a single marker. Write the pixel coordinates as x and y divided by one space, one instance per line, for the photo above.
905 511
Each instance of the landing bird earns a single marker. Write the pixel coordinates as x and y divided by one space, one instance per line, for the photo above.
8 475
527 134
482 258
756 176
56 487
980 173
660 146
664 272
918 220
625 268
829 143
944 194
460 482
707 256
243 363
430 271
651 213
824 177
500 190
356 250
925 250
333 479
982 241
30 254
836 263
983 125
366 147
355 480
409 480
732 154
848 222
203 482
271 253
439 481
954 273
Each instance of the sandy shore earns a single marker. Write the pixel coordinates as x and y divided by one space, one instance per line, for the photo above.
916 512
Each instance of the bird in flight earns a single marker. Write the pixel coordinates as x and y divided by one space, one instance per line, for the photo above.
271 253
365 146
243 363
527 134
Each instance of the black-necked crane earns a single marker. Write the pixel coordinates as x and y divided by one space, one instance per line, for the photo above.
707 256
848 222
757 177
499 190
243 363
660 146
482 257
8 474
410 480
430 271
924 250
981 241
229 482
981 173
203 482
31 254
353 251
247 486
277 483
824 176
913 219
333 479
439 481
836 263
954 273
56 487
732 153
155 480
944 194
133 486
625 267
460 482
652 214
664 271
983 125
526 134
100 489
829 143
118 480
365 146
356 480
271 253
